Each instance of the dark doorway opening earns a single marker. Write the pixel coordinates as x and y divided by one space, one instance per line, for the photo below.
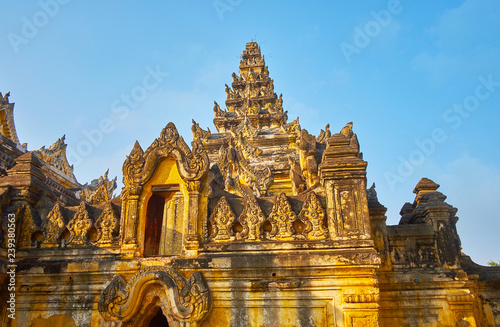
155 214
154 221
159 320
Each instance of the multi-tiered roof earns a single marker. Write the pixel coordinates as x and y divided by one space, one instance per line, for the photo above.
251 96
255 146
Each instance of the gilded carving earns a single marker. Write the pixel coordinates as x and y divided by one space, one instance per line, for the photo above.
236 171
99 191
133 164
107 226
222 220
281 219
218 111
199 133
313 215
252 220
7 127
27 229
324 135
53 227
79 227
292 128
189 300
192 165
55 156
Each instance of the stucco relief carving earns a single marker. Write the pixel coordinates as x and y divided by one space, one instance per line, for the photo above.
190 300
222 220
107 226
192 164
313 215
53 227
79 227
281 219
252 220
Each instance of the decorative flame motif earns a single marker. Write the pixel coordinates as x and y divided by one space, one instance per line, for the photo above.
222 220
313 215
79 226
107 226
281 219
53 227
252 220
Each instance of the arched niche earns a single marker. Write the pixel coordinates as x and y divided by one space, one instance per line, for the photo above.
167 162
136 303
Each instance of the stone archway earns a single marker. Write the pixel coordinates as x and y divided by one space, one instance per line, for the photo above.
136 303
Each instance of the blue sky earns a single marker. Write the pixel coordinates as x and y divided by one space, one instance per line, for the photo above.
420 82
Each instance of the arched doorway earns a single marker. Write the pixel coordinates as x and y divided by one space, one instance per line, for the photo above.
159 320
154 296
164 218
154 221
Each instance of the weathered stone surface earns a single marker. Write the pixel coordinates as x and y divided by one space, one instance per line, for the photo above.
259 224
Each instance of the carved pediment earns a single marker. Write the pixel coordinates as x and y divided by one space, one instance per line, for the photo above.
55 156
133 164
236 170
247 129
192 164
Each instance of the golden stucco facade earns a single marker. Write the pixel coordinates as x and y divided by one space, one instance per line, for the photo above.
258 224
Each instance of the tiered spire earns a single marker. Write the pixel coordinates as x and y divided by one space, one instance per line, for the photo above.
251 95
